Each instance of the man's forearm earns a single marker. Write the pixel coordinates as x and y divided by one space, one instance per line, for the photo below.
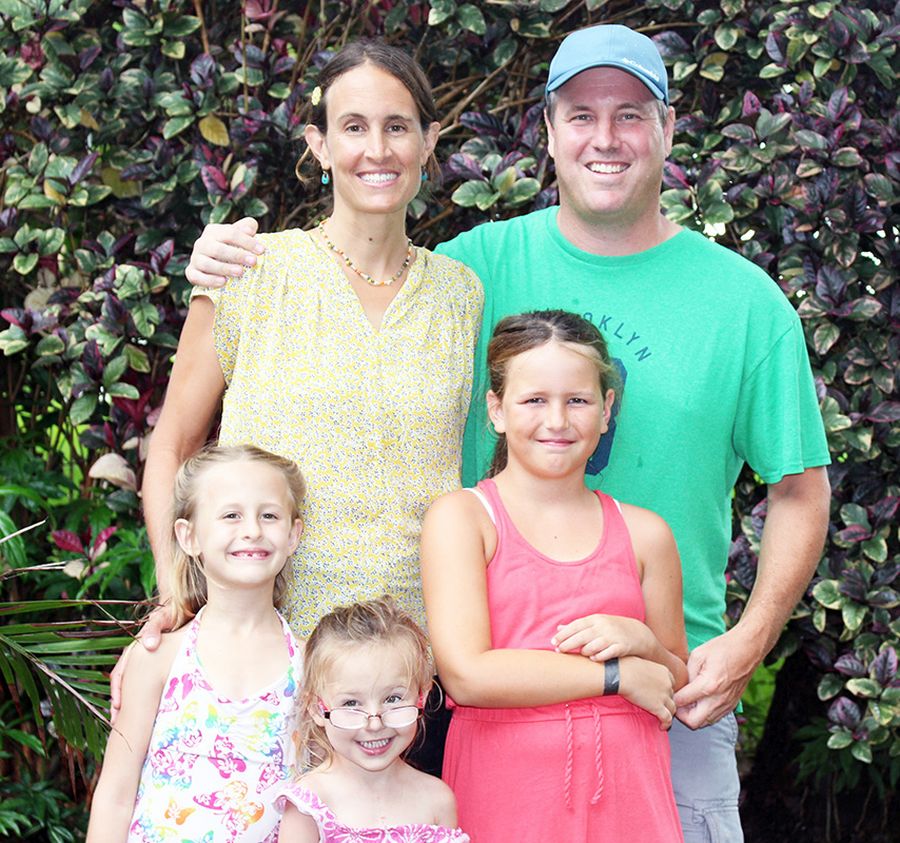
793 536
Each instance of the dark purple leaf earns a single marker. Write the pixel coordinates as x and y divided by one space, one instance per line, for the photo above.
830 284
751 105
773 47
86 57
674 176
850 665
92 360
161 255
884 667
837 102
883 511
844 712
67 540
886 411
82 168
100 540
18 317
529 134
214 180
464 166
202 69
671 45
482 123
854 585
886 597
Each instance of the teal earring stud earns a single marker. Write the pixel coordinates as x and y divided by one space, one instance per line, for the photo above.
325 177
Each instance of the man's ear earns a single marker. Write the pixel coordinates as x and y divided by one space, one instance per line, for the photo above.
495 411
551 135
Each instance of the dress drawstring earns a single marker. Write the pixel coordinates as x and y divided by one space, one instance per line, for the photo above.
570 755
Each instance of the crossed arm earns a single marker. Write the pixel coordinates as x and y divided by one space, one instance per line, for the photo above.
454 545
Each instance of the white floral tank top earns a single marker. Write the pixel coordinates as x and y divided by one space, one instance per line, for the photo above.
214 766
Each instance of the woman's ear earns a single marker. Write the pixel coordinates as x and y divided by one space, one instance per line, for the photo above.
315 140
431 139
495 411
187 541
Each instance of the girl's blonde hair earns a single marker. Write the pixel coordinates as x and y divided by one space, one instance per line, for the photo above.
187 581
379 621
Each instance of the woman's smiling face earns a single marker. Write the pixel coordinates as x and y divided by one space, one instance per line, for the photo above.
375 146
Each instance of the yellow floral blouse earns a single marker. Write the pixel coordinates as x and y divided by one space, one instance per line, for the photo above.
374 418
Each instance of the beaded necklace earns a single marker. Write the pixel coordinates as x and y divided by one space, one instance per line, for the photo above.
374 282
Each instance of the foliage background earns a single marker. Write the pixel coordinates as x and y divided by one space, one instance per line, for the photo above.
127 125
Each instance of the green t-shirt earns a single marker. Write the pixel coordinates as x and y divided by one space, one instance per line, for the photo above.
715 372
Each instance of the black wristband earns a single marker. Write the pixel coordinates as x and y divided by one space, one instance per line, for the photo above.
610 677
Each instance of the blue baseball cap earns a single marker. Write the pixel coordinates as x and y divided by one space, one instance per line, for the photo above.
610 45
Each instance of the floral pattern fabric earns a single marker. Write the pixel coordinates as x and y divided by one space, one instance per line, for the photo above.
332 830
214 766
374 418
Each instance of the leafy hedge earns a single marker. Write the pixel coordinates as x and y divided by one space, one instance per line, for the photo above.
127 125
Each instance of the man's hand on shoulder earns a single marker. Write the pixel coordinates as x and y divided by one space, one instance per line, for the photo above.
223 251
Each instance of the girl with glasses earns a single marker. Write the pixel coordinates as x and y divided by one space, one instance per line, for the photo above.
366 675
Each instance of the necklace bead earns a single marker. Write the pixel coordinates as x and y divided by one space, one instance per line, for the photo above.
374 282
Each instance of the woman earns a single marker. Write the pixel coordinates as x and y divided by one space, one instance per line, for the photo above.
344 348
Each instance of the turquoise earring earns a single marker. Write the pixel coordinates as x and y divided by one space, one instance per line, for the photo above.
325 177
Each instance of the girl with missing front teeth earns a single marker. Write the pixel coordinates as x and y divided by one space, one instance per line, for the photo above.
204 738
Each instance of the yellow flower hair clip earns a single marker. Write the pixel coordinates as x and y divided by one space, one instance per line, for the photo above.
316 97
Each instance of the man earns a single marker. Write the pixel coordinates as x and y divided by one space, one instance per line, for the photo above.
715 370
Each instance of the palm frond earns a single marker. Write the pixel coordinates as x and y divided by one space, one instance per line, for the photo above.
61 661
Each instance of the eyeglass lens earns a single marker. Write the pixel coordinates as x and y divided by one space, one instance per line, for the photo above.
356 718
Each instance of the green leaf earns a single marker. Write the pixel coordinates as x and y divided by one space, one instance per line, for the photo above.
863 687
827 593
772 70
726 35
173 49
847 156
175 126
840 739
768 124
523 191
146 318
469 193
138 360
853 513
861 751
24 262
114 370
471 18
876 548
825 336
810 140
49 346
853 615
181 26
830 685
123 390
83 408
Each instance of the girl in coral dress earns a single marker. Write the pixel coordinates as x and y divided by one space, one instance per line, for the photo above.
554 612
205 735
